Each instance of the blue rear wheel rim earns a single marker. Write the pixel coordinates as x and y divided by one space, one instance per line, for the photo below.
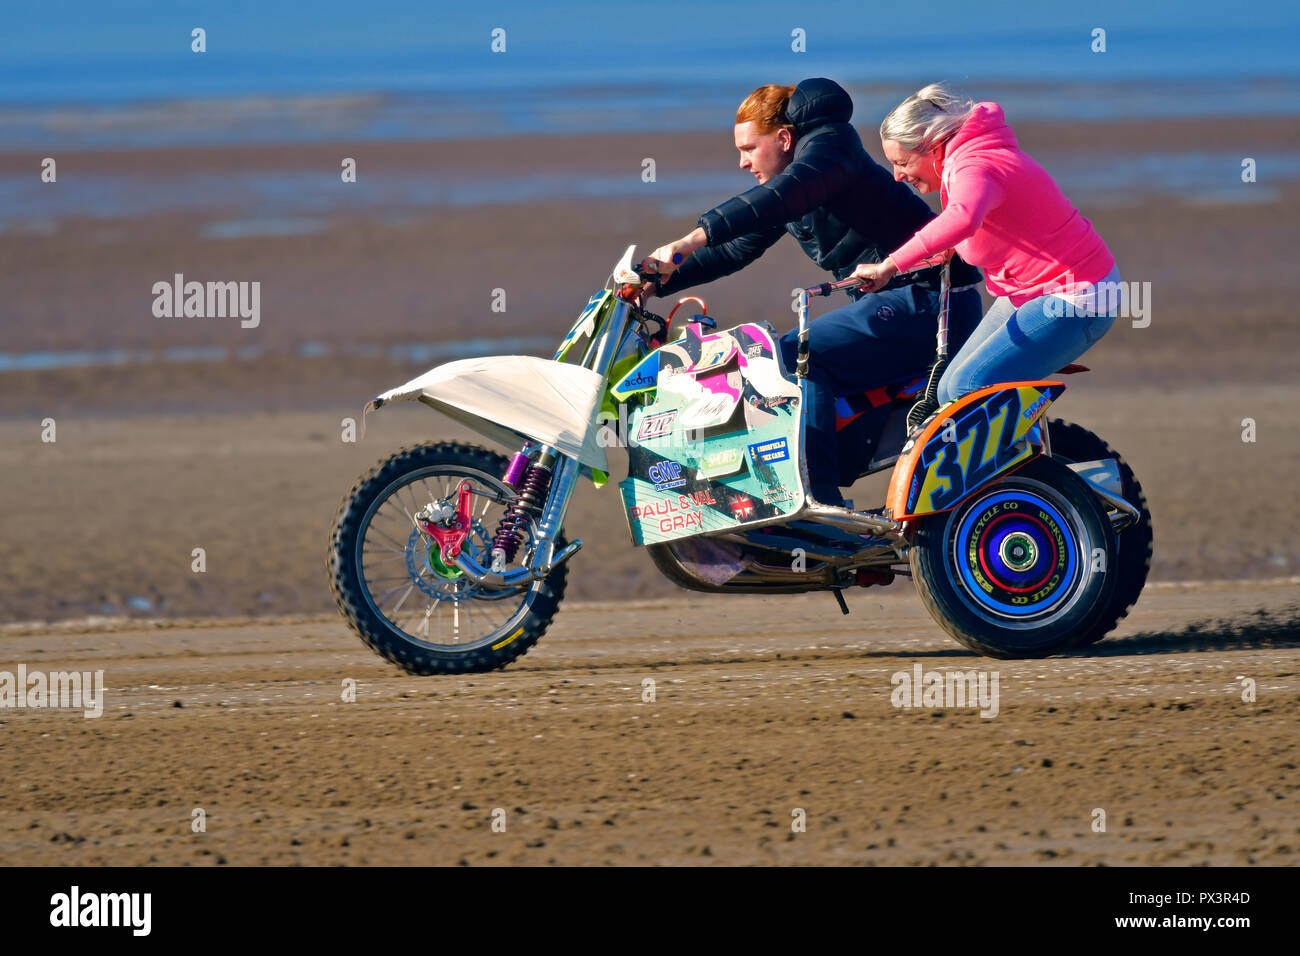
1016 555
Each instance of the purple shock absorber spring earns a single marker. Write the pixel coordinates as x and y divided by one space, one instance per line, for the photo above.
514 524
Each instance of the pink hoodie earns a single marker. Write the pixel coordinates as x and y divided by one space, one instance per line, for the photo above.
1005 214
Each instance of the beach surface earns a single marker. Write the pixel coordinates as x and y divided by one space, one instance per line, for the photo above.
700 731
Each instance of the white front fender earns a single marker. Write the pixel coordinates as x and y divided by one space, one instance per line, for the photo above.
505 396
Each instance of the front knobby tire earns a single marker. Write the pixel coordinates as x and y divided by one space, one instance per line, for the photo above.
407 605
1074 443
1020 567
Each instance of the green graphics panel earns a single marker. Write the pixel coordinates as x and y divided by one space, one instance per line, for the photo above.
717 448
586 326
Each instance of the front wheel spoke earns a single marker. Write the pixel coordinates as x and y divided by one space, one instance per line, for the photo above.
382 552
382 596
390 508
381 558
405 594
403 578
415 498
401 503
423 626
396 545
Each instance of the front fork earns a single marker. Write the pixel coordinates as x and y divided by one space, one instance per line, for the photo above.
552 475
544 485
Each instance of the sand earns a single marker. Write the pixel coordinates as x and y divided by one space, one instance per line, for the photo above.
776 706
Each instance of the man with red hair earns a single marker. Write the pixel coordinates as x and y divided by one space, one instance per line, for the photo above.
817 182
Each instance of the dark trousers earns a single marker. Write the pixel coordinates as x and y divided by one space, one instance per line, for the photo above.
880 337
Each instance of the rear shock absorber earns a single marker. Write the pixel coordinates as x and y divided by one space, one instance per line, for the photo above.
532 487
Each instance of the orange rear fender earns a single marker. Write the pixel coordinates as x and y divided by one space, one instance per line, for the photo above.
968 443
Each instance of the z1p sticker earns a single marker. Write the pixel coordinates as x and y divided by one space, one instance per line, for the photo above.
656 426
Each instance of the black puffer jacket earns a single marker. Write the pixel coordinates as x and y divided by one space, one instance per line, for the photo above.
842 206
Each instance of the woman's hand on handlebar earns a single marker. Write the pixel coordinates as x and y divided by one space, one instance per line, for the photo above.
873 276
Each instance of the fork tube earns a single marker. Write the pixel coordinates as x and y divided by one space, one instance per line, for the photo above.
564 479
601 357
564 470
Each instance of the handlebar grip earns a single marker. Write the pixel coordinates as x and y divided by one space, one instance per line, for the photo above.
826 288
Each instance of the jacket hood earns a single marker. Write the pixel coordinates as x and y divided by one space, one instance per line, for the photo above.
985 127
817 102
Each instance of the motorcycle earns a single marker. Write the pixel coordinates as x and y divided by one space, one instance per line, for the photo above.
1024 536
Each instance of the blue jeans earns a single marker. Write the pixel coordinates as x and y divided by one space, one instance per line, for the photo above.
1022 344
880 337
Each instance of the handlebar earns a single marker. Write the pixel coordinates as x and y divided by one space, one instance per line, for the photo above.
826 288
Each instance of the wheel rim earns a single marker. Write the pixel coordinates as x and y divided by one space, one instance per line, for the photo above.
1017 554
407 582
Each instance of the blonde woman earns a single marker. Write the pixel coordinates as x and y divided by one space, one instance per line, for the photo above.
1056 282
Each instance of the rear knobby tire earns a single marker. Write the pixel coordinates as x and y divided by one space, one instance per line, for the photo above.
529 607
1074 443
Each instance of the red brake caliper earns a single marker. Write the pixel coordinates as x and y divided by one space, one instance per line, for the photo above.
450 539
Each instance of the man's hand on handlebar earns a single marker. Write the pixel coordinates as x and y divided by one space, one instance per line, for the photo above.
665 260
873 276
